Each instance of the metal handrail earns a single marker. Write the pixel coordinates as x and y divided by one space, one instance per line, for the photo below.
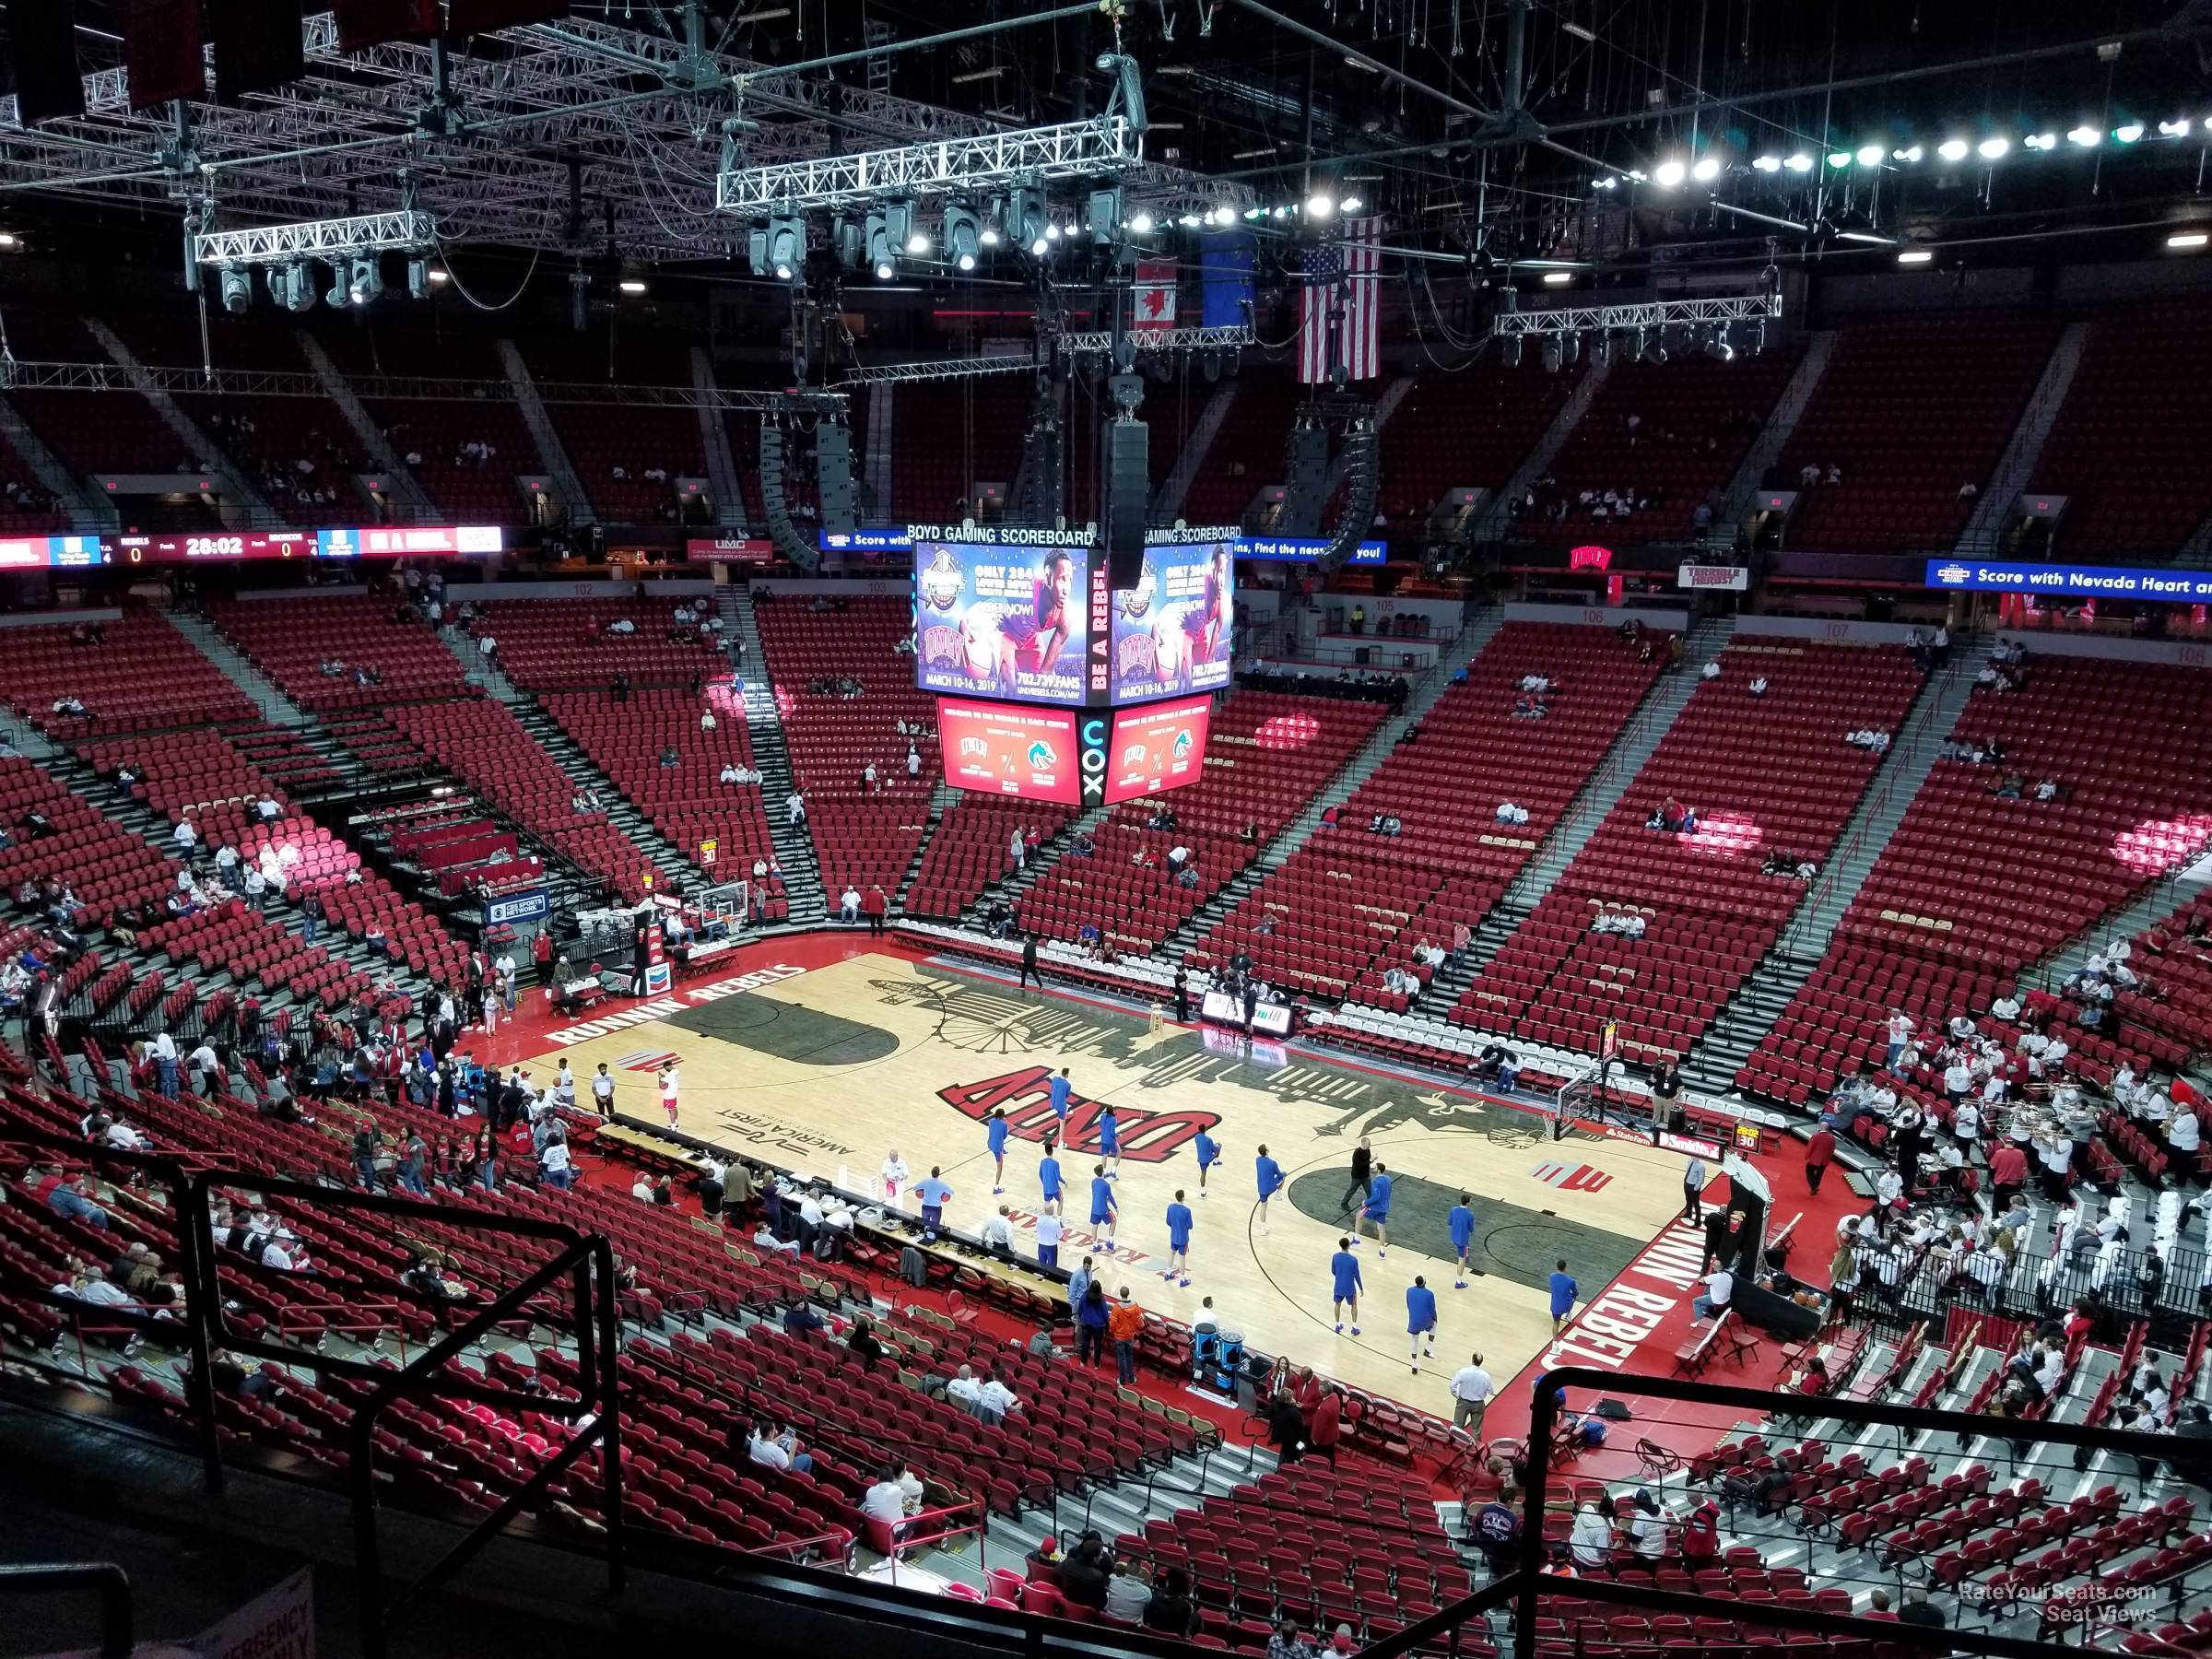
33 1578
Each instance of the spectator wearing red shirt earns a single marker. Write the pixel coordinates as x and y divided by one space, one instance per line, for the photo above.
2008 1172
541 952
1327 1427
1701 1534
1820 1153
874 906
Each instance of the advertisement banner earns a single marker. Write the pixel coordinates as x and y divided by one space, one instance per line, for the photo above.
1159 748
529 906
1000 748
82 552
2080 582
1732 579
1172 631
1000 621
732 550
277 1624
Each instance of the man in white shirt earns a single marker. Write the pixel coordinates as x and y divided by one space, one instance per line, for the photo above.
2183 1133
998 1231
203 1065
1048 1241
603 1092
164 1050
995 1398
1901 1033
1471 1391
1720 1287
2006 1007
964 1390
794 808
760 1446
553 1166
279 1252
1958 1080
1888 1187
847 904
885 1501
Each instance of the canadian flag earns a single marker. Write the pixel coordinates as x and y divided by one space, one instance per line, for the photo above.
1155 294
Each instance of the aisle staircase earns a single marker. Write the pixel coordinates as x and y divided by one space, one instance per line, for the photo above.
551 452
1712 1064
1766 449
771 758
1607 783
1993 510
275 708
673 872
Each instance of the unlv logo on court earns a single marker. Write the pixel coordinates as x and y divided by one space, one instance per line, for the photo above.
1146 1136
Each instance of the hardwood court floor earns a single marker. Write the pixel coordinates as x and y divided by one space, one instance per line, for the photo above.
824 1070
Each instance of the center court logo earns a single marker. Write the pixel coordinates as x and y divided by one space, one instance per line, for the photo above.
1145 1136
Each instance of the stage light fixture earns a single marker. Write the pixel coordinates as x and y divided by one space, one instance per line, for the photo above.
1869 155
1551 354
1766 164
2040 141
1512 351
1953 149
786 246
1352 204
917 241
237 289
2128 133
1719 349
632 285
963 236
1320 205
366 282
2182 241
419 279
1141 222
1994 150
1912 155
336 297
878 247
1558 278
300 288
1911 256
1571 347
1798 162
1668 175
2085 138
1838 158
2174 129
1708 169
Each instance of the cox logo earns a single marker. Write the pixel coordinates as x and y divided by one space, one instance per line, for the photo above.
1093 761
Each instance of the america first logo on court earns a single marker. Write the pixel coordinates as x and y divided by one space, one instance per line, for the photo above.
1144 1135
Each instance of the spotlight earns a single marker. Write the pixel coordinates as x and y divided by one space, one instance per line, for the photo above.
337 295
786 246
1608 183
631 284
1320 205
1953 149
1707 170
2040 141
1718 349
419 279
1353 204
1991 149
1668 175
1571 347
2183 239
1601 351
2174 129
1870 155
1915 257
237 289
1025 217
900 230
989 236
1656 353
1838 158
1799 163
1141 222
878 247
9 239
1512 351
1551 354
1558 278
300 288
2087 137
2128 133
1911 155
963 235
1254 213
1766 164
366 282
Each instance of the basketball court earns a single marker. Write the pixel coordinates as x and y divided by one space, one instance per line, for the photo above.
825 1055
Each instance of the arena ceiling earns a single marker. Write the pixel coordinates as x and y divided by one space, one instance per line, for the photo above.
1527 128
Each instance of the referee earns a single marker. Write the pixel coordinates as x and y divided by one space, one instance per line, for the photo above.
1355 1191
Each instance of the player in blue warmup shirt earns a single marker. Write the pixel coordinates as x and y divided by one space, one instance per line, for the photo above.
1563 1293
1102 1207
1420 1321
1110 1142
1179 1240
1344 1269
932 1189
995 1136
1057 1092
1378 1209
1270 1175
1462 1223
1048 1177
1209 1154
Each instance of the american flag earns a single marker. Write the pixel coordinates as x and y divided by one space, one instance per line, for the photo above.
1337 299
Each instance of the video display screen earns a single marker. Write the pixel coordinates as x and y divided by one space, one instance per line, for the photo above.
1003 748
1159 747
1172 631
413 541
1001 621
